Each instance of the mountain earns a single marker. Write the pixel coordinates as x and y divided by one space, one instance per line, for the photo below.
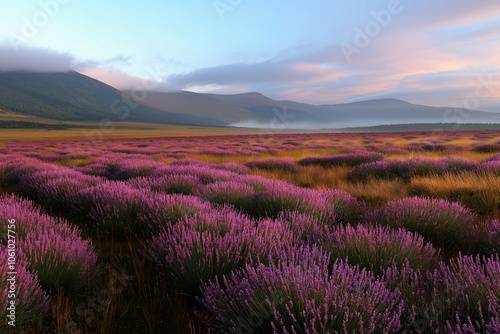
196 105
75 97
72 96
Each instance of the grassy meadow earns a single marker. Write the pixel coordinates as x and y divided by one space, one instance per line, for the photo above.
176 229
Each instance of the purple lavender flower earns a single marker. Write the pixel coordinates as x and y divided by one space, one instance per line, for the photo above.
209 245
349 159
32 303
161 210
379 247
228 192
273 164
54 248
438 221
290 298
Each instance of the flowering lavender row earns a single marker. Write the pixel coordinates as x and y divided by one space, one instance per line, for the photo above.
209 245
32 303
54 249
462 297
379 247
438 221
350 159
302 297
273 164
406 169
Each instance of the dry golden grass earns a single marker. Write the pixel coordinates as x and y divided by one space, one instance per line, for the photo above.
479 192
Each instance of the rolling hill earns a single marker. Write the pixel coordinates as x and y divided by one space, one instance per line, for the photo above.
72 96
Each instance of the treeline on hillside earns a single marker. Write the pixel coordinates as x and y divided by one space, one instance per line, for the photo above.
33 125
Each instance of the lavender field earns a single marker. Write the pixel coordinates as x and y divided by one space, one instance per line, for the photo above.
283 233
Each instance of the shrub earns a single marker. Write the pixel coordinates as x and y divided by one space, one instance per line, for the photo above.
488 241
385 169
32 303
406 169
162 210
287 165
438 221
53 248
31 183
205 173
184 184
278 197
61 262
491 167
452 297
228 192
55 193
487 148
349 159
346 207
378 247
110 207
294 298
209 245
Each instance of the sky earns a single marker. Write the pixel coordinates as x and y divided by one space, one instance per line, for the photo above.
439 53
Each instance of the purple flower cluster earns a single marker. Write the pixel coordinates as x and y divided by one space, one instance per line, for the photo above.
160 211
492 166
287 165
438 221
451 298
278 197
487 148
209 245
54 249
287 297
120 166
379 247
349 159
406 169
32 303
228 192
110 207
186 184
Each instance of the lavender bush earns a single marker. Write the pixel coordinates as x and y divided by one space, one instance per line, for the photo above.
452 297
209 245
53 248
378 247
349 159
111 207
301 298
184 184
228 192
32 303
287 165
438 221
161 210
406 169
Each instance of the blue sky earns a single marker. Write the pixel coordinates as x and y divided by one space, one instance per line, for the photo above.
442 53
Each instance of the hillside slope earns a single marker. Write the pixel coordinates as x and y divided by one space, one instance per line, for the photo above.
76 97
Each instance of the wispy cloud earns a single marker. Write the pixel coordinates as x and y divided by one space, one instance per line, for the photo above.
33 59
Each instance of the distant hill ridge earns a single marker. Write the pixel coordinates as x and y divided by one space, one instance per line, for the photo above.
72 96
